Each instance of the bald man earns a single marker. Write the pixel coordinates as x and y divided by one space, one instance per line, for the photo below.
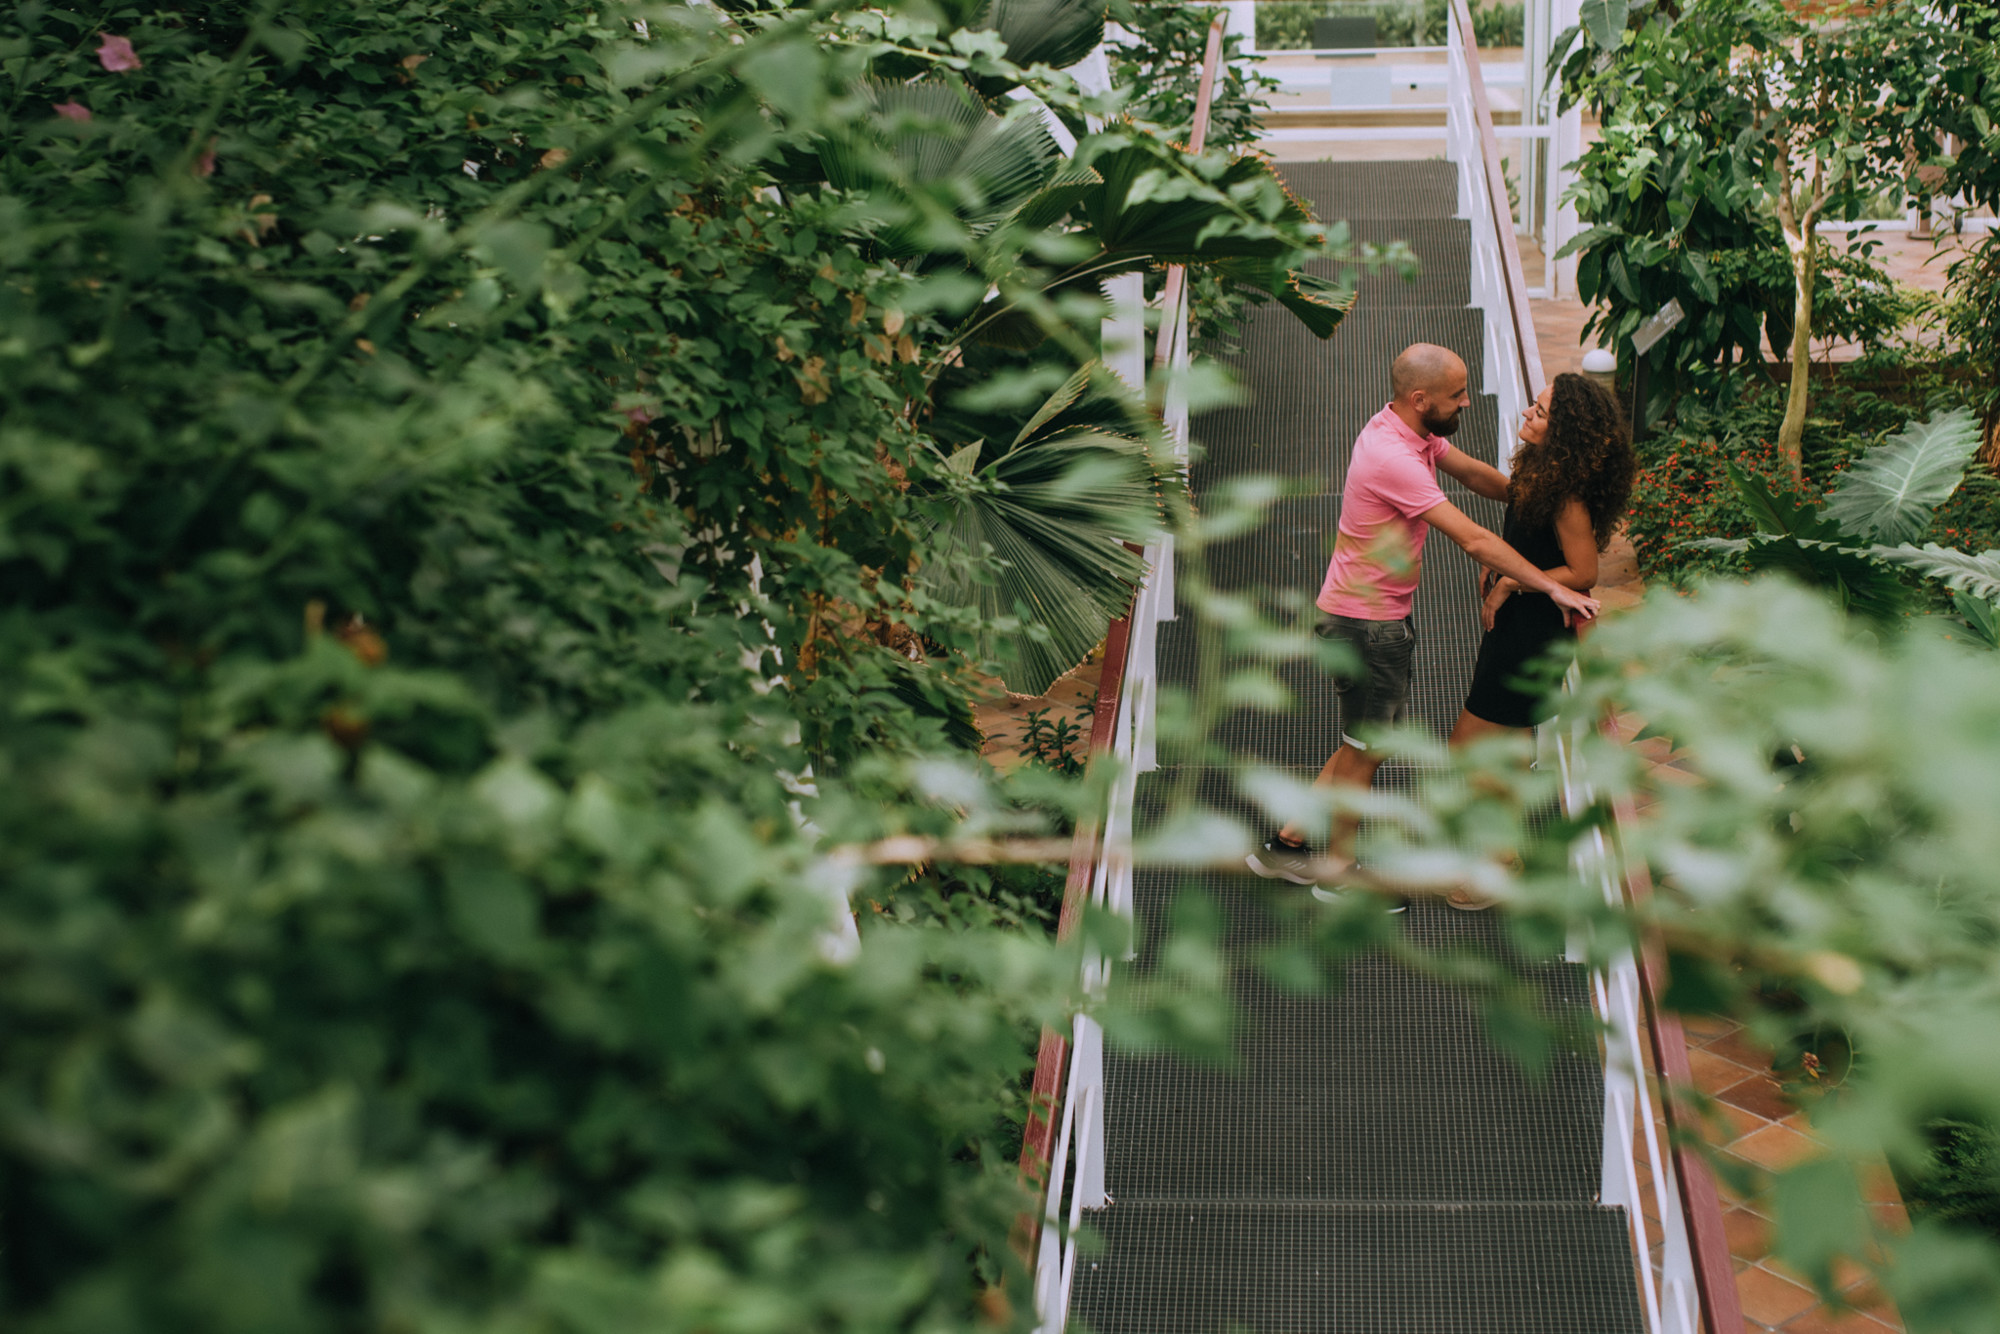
1389 505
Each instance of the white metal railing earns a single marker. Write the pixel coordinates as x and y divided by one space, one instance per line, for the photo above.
1669 1288
1080 1133
1079 1139
1511 373
1669 1293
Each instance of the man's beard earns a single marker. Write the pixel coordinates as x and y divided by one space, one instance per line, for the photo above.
1440 425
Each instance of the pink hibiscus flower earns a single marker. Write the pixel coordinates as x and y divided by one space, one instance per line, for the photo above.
117 54
75 111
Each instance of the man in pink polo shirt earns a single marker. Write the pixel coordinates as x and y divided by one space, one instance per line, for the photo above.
1389 505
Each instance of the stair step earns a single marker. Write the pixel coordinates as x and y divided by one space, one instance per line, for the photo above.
1345 191
1443 247
1384 1088
1172 1268
1312 441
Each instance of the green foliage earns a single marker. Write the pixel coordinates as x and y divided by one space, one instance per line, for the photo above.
1890 493
1059 746
1961 1182
1056 33
1161 71
1850 892
1683 492
1288 24
458 530
1680 194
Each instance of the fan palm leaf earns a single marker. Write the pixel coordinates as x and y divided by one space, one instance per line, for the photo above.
1056 33
935 142
1042 535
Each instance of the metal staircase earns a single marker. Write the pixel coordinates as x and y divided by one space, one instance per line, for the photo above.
1372 1162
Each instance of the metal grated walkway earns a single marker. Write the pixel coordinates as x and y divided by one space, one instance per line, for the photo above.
1371 1163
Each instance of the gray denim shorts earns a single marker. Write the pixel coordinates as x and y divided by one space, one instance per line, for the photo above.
1379 696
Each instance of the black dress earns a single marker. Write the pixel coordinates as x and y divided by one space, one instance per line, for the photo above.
1523 629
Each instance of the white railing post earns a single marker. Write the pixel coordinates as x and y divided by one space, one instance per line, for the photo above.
1090 1131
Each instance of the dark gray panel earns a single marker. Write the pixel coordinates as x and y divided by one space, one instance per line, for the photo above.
1345 191
1489 1269
1443 249
1366 1092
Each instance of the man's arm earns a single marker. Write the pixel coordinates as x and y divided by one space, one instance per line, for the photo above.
1479 478
1490 551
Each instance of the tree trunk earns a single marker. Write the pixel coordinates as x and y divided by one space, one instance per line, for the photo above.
1803 242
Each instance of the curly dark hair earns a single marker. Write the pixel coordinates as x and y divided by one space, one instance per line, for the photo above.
1586 455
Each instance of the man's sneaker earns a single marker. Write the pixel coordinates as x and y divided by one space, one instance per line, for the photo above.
1279 860
1335 895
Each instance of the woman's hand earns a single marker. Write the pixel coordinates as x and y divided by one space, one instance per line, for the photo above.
1502 590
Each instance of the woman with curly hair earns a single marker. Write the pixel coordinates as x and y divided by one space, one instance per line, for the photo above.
1571 478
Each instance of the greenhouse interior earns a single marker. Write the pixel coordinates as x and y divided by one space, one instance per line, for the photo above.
749 666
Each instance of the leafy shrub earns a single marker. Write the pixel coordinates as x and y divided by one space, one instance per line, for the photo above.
1288 24
1682 492
1961 1183
428 441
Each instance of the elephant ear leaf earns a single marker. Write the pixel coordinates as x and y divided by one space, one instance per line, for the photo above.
1961 571
1891 492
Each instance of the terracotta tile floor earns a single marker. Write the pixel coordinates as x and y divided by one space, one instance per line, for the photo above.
1759 1126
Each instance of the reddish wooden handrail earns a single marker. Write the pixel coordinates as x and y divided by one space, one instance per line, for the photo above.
1176 285
1501 210
1038 1143
1701 1206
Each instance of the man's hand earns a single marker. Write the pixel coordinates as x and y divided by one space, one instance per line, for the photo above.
1490 551
1577 607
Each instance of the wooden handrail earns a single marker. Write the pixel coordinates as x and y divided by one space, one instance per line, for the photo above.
1176 284
1502 212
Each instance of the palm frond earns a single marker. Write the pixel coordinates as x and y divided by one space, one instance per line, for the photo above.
937 138
1890 493
1042 538
1057 33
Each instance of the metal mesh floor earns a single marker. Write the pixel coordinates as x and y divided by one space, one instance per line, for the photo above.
1173 1268
1371 1161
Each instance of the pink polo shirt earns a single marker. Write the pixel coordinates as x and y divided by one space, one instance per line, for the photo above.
1378 552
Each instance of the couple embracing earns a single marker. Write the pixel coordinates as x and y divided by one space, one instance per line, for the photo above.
1571 476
